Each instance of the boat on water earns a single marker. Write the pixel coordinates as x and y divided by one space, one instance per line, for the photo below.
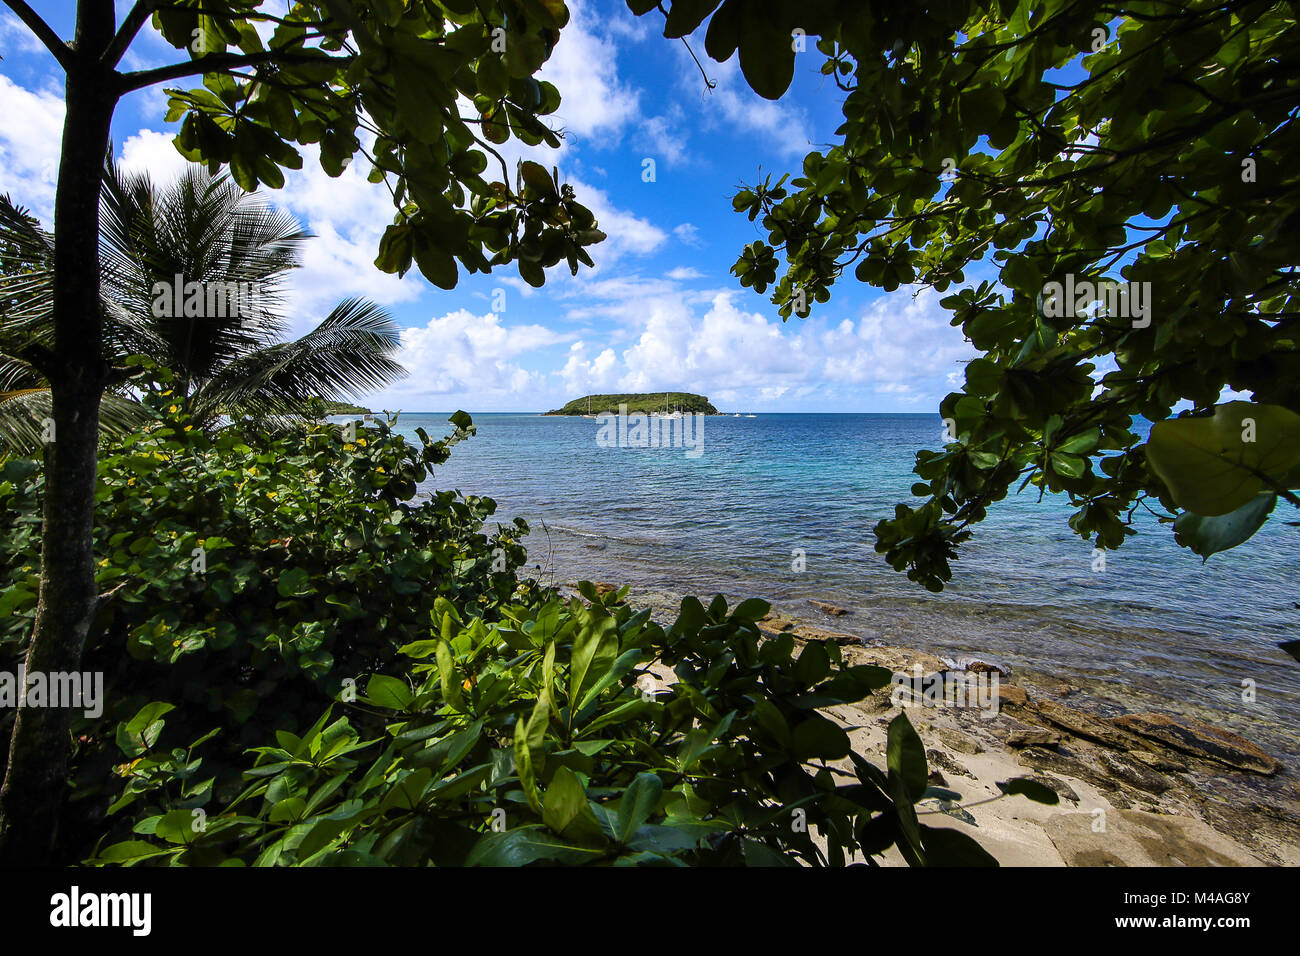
667 412
736 415
751 416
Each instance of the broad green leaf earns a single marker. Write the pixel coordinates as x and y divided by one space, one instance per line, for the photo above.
905 756
638 802
1212 465
1210 535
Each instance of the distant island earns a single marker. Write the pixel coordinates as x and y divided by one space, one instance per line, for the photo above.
642 402
343 408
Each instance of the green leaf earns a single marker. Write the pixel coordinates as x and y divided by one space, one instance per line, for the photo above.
566 811
389 692
905 757
1212 465
1207 535
141 731
294 582
451 689
638 802
819 737
753 609
766 56
131 851
685 15
525 845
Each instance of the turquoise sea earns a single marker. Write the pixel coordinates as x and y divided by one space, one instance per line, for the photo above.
1156 629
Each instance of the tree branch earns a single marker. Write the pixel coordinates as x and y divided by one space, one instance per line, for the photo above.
141 12
43 32
215 63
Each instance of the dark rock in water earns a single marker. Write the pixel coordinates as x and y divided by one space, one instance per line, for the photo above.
776 624
1033 738
1084 725
982 665
776 621
1200 740
832 609
1134 773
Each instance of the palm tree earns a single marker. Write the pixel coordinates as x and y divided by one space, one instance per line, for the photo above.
193 278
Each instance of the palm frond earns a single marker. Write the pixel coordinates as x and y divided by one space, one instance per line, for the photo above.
24 414
350 351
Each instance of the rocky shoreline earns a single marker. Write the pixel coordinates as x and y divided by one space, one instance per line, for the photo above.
1139 789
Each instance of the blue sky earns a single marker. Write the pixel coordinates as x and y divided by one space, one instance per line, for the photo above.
660 310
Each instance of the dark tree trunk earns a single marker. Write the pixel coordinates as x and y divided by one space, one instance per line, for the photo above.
35 779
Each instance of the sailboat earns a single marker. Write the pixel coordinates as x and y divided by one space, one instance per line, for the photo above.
667 412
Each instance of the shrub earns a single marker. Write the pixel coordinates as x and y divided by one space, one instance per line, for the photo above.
251 574
533 740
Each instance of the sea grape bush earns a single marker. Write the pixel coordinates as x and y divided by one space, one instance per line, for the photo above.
534 740
250 573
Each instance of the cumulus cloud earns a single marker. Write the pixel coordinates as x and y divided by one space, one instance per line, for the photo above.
899 348
688 234
584 67
31 131
464 354
783 125
16 38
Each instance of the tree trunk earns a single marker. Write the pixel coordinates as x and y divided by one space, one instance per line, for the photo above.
35 778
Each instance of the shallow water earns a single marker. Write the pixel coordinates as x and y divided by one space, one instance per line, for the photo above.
1156 628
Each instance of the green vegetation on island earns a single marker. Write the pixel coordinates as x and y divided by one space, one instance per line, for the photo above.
685 402
343 408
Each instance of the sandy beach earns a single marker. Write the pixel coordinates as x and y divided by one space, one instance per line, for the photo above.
1139 789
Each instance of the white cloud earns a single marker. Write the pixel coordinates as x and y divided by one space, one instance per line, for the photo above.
154 153
15 37
664 136
902 348
628 234
688 234
463 354
584 67
783 125
31 131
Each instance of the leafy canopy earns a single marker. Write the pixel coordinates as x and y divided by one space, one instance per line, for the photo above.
423 91
1048 142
